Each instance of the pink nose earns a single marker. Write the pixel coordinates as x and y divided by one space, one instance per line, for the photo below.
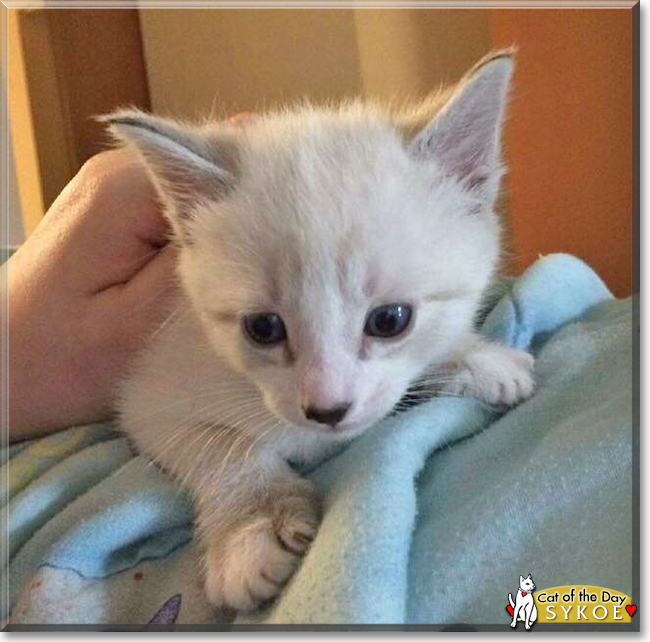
329 416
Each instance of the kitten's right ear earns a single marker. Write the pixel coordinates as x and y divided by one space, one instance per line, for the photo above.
188 165
464 135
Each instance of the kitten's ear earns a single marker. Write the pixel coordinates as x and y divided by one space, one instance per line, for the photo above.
188 164
464 136
521 578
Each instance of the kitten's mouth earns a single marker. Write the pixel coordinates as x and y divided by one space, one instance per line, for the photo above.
336 429
356 423
344 429
351 428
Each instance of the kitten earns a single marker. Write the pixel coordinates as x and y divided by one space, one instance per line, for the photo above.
329 257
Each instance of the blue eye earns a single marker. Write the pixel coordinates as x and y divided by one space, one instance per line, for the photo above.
388 321
265 328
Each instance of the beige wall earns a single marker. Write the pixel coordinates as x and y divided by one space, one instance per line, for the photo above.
223 61
232 60
411 52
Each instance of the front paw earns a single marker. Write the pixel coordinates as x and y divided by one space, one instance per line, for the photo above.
496 374
260 552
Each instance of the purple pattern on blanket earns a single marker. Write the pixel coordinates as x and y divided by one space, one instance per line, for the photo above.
168 612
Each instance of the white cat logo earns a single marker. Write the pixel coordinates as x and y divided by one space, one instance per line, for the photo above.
523 608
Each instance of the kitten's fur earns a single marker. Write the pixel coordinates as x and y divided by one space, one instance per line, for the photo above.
318 215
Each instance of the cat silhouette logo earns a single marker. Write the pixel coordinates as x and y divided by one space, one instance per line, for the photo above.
523 607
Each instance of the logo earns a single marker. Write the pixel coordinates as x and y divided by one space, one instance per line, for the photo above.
523 608
568 605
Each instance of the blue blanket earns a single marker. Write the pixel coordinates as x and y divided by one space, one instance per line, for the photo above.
429 518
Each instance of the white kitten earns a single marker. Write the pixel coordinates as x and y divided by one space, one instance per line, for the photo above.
328 258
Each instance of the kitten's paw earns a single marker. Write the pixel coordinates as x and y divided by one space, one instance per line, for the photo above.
497 374
261 553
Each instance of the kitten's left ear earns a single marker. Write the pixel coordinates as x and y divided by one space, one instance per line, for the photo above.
464 137
188 164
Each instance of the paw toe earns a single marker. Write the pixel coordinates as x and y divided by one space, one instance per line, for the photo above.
260 555
297 537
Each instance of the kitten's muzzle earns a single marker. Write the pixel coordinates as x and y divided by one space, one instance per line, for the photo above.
329 416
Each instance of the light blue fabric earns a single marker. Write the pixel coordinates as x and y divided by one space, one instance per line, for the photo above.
430 517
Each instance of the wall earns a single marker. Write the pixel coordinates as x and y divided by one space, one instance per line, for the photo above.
15 233
248 59
242 60
569 137
412 52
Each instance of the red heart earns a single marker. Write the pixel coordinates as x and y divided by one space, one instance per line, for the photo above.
631 609
524 593
510 610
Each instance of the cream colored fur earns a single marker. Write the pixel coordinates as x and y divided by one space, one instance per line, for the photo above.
318 215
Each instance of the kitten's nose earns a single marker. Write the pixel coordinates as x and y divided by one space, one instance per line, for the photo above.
329 416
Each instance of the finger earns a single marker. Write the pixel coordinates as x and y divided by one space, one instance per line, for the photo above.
150 296
130 201
107 225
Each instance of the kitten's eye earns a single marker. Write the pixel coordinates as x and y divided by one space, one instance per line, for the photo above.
265 328
388 321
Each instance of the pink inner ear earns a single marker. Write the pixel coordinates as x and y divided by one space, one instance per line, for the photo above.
465 135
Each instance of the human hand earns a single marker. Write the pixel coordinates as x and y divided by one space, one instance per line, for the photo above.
84 292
